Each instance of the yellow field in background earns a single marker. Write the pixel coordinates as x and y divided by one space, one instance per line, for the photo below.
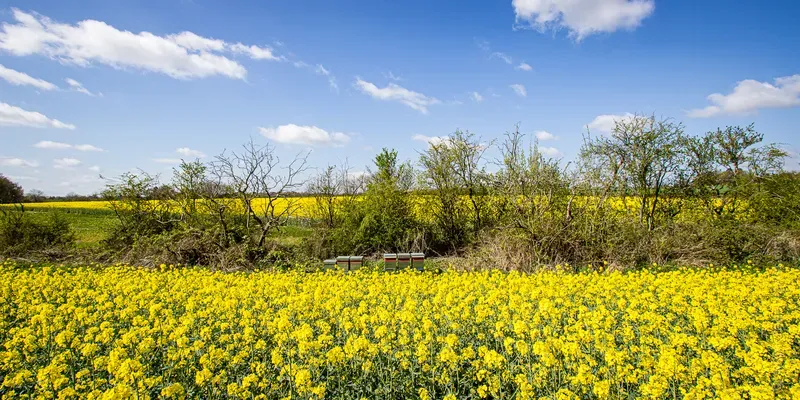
304 207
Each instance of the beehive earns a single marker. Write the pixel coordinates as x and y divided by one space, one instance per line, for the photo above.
389 262
418 261
403 260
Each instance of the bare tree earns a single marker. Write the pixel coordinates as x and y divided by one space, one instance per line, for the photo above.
256 175
645 153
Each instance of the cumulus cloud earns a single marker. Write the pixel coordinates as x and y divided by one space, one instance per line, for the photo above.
184 55
545 135
305 135
524 67
17 162
550 151
17 78
187 152
46 144
583 18
431 140
519 90
605 123
750 95
62 163
15 116
476 97
394 92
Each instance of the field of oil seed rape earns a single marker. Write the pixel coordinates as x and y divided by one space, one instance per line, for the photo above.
124 332
305 207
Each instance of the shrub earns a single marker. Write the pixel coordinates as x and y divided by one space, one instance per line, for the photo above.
21 234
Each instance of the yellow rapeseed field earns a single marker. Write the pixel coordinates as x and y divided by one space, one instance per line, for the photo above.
124 332
305 207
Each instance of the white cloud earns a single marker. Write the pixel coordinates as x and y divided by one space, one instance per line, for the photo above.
550 151
20 178
17 78
605 123
193 41
46 144
66 162
434 140
750 95
524 67
187 152
502 56
167 160
393 92
17 162
78 87
86 147
94 168
320 70
15 116
81 180
583 18
545 135
183 56
305 135
476 97
255 52
519 90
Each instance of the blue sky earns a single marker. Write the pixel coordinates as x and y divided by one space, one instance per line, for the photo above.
100 87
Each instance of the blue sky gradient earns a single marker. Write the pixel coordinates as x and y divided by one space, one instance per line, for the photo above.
666 61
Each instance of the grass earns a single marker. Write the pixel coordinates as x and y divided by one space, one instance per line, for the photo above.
91 225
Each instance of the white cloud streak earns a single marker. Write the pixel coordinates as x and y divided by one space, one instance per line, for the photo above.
394 92
750 95
78 87
63 163
305 135
503 56
582 18
46 144
17 78
15 116
187 152
519 90
17 162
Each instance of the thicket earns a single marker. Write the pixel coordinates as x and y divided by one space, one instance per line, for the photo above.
645 193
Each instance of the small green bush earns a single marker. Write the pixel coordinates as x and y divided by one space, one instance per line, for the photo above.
20 234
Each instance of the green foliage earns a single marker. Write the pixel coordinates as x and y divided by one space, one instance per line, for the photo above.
10 192
134 199
20 234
